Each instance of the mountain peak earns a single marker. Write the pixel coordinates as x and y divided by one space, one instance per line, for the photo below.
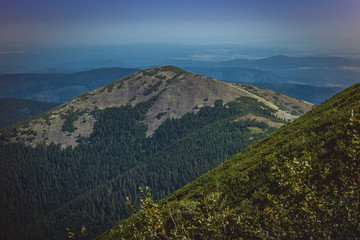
175 92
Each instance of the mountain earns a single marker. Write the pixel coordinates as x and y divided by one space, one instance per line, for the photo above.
13 111
269 80
318 71
175 97
308 93
286 62
163 127
58 87
325 72
313 79
301 182
237 74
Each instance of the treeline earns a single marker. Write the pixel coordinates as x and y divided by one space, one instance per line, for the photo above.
47 189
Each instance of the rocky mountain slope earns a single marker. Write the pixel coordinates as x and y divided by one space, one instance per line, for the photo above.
179 92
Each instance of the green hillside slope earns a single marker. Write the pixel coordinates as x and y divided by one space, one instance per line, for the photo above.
301 182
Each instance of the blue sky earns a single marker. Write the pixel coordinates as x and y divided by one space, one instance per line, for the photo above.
320 22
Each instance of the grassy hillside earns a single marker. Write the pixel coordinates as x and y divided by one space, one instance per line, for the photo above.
301 182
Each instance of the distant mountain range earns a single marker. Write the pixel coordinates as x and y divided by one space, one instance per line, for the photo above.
58 87
269 80
316 71
17 110
288 62
308 93
328 75
237 74
274 62
164 127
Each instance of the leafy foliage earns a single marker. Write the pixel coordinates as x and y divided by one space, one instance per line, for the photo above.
77 235
208 220
313 202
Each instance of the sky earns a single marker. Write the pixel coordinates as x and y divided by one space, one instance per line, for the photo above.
323 22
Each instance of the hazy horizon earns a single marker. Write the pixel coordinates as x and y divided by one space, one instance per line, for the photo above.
322 23
74 58
142 33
